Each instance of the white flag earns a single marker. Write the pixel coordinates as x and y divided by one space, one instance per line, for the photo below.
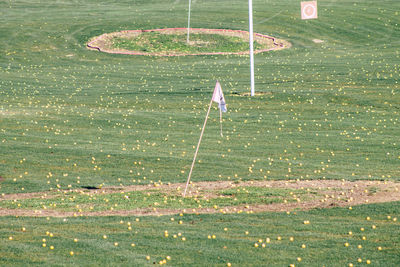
218 97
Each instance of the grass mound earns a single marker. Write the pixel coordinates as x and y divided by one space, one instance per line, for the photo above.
200 42
173 42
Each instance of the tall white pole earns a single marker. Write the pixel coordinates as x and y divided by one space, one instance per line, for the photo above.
251 46
188 27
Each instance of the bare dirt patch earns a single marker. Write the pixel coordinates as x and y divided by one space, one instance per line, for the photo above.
331 193
318 41
20 196
103 42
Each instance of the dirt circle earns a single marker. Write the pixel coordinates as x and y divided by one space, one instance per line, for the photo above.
104 42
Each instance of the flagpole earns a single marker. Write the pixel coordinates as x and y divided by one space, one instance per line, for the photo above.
220 121
188 27
251 46
197 149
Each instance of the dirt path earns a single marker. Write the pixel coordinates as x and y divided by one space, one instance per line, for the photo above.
333 193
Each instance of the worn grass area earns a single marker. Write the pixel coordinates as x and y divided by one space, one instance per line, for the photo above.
313 238
154 42
86 201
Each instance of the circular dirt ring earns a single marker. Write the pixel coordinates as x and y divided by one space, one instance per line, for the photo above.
106 42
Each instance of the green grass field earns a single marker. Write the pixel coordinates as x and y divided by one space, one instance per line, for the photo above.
200 42
72 117
108 240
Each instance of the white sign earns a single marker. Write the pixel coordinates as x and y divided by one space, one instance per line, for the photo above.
309 10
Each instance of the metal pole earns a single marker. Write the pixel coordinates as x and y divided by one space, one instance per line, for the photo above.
188 27
251 46
220 121
197 149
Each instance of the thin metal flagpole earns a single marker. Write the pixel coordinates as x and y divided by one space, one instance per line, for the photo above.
197 149
251 46
220 120
188 27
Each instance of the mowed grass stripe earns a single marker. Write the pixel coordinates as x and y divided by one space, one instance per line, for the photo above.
323 238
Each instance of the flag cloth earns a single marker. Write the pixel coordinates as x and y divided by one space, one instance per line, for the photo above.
309 10
218 97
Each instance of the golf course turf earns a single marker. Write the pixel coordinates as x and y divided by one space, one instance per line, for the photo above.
74 121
